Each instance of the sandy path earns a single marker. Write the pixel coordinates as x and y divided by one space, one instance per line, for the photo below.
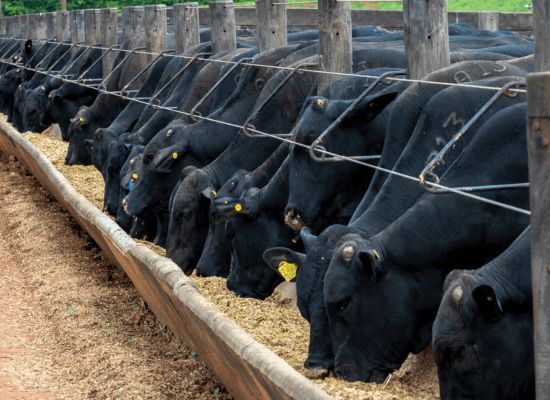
71 324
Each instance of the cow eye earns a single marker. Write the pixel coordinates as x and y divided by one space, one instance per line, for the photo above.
186 214
342 305
147 158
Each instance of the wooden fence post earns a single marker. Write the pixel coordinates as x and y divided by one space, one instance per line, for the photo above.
186 21
135 27
155 21
92 26
541 16
109 36
135 34
270 24
3 26
62 29
23 26
222 22
489 20
335 52
15 26
538 140
426 36
77 28
538 146
41 26
51 19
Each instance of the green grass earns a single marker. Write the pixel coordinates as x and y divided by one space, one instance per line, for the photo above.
452 5
472 5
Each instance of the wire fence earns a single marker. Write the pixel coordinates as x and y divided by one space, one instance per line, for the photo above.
146 101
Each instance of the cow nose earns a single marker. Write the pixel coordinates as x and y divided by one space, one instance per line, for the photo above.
125 205
293 219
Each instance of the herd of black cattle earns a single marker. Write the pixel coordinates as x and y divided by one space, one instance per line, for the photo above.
383 267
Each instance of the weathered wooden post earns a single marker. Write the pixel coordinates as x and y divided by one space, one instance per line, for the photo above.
51 19
77 28
335 54
14 27
538 139
134 27
3 22
271 24
92 26
426 36
41 26
186 21
222 22
109 36
538 146
489 20
155 21
541 16
134 35
62 29
24 26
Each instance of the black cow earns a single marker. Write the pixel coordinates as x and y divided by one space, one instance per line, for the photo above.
482 335
392 282
103 111
201 142
319 250
247 153
216 254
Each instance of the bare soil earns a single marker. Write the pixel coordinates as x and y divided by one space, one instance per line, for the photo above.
72 326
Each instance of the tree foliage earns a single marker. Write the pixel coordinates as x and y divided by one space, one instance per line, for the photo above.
16 7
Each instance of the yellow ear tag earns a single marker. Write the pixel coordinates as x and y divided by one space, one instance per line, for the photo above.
287 270
81 119
214 193
376 255
135 176
238 207
174 155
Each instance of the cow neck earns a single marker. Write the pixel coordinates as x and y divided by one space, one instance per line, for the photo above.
509 274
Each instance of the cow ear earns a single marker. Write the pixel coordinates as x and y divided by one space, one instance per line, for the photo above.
248 204
371 263
487 303
370 107
165 159
89 144
308 239
28 46
284 261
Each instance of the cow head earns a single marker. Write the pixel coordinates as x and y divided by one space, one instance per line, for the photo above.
377 313
482 343
164 157
249 276
188 223
313 185
216 254
310 275
81 128
34 109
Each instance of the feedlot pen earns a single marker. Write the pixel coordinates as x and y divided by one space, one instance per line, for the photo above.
174 298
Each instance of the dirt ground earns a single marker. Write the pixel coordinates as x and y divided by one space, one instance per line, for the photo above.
71 324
